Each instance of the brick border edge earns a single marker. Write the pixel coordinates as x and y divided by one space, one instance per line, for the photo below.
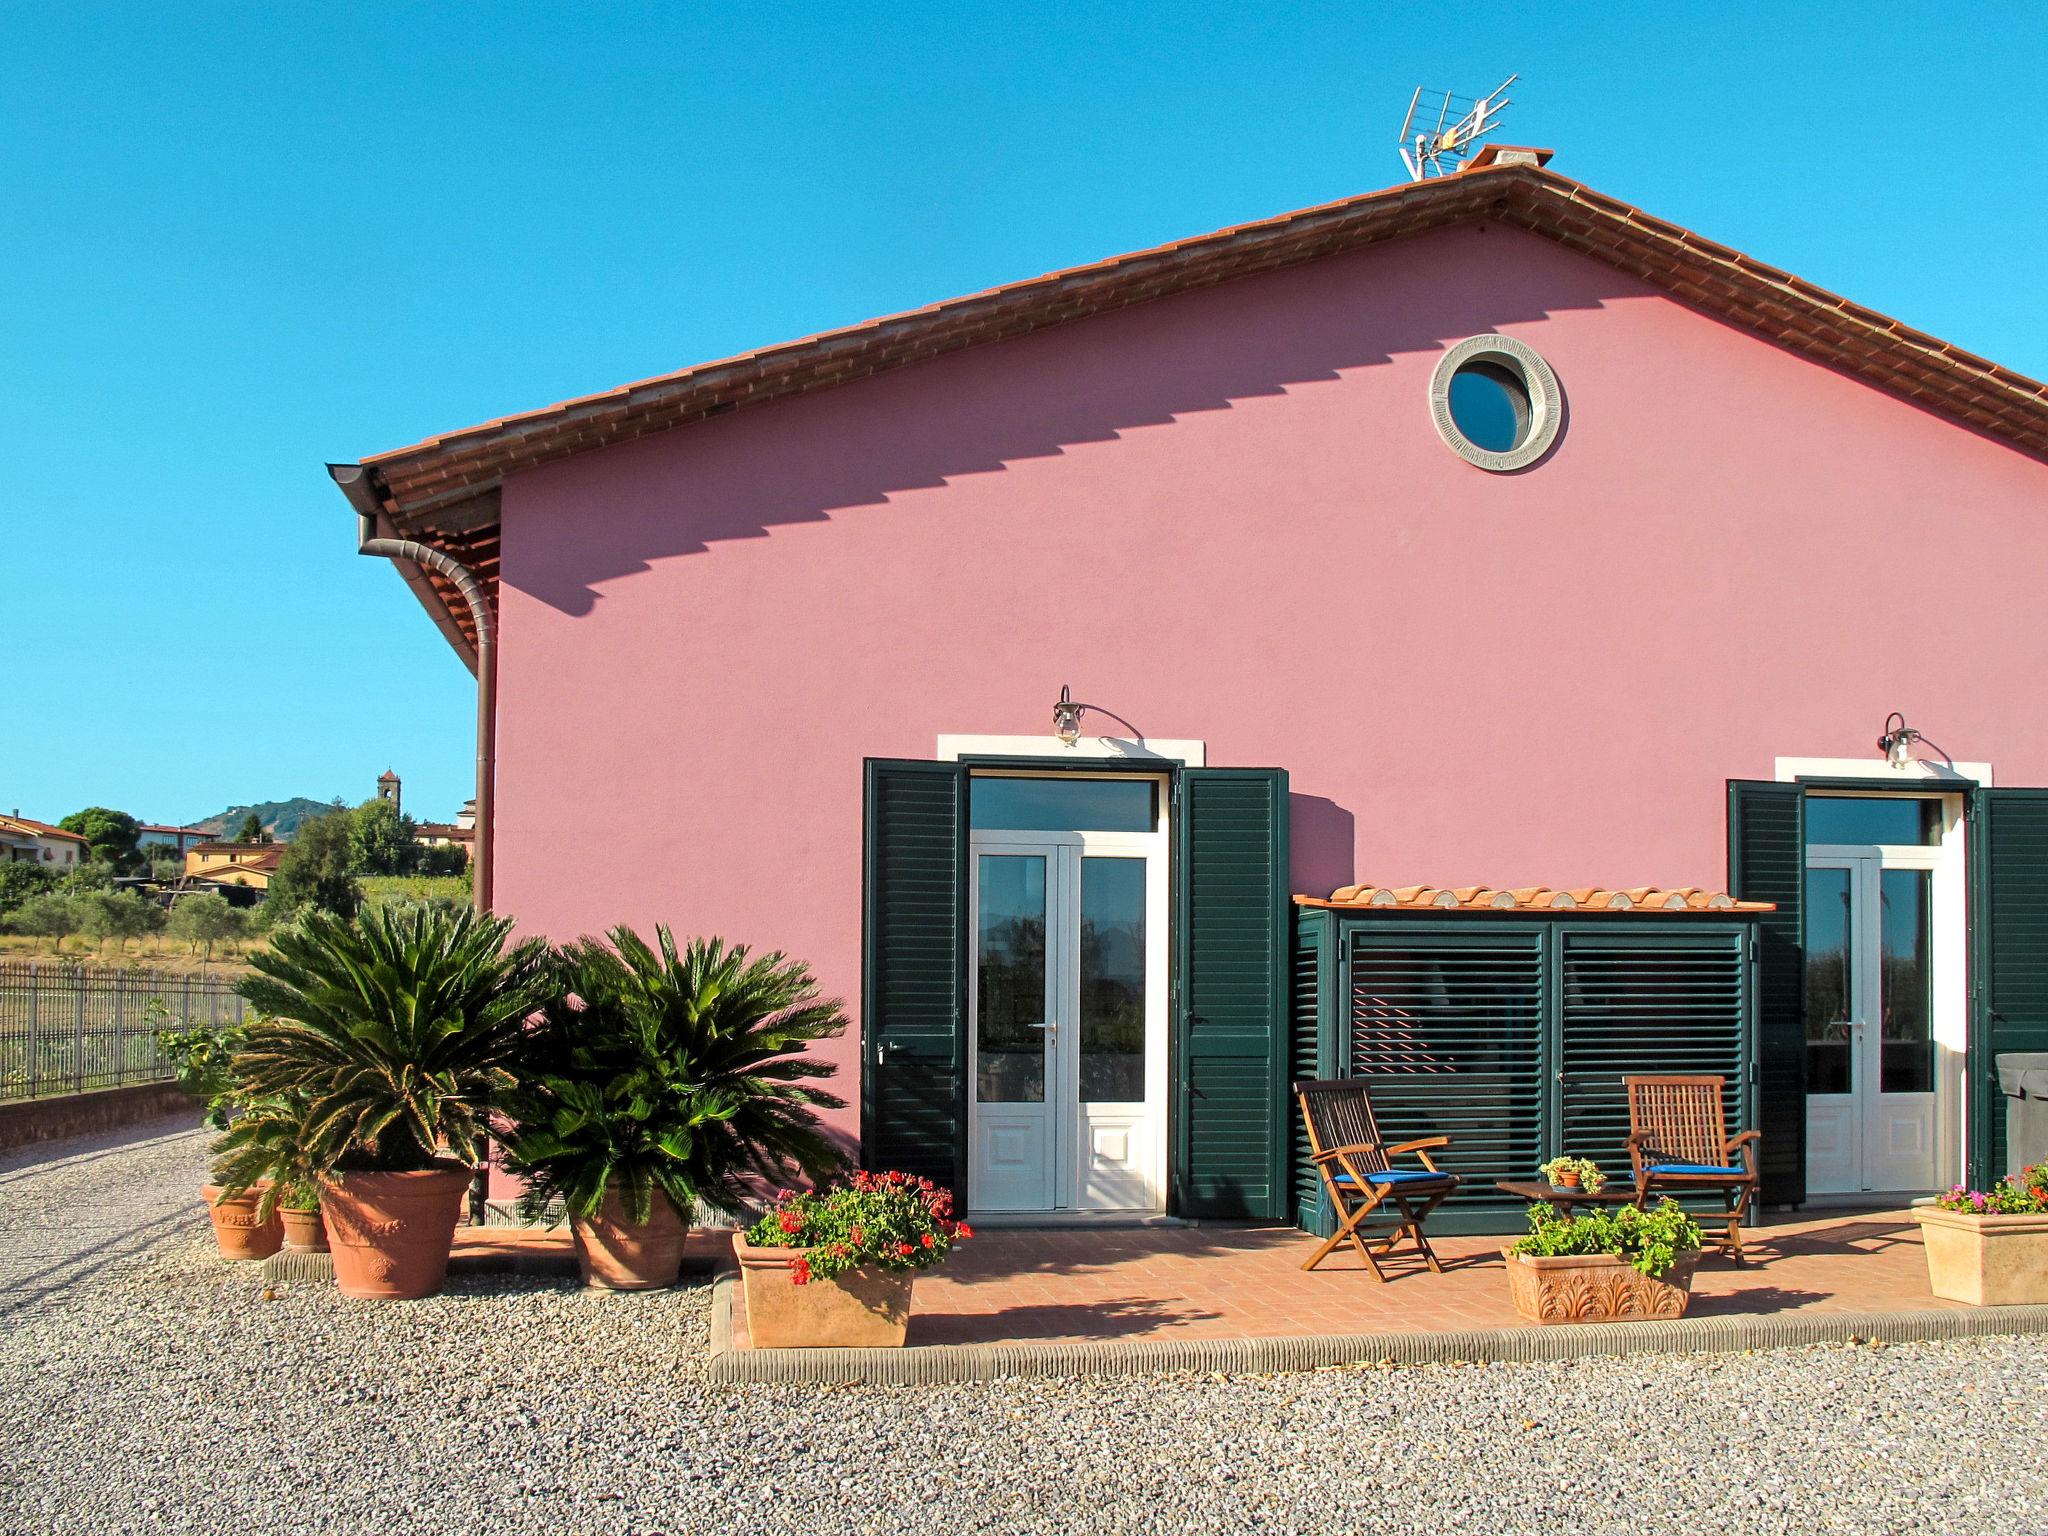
935 1364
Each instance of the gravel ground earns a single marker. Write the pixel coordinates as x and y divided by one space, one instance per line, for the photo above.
146 1387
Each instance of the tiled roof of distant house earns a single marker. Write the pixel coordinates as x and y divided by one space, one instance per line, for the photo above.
37 828
444 490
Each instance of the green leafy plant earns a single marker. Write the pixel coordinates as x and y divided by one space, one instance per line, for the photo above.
716 1036
2017 1194
395 1028
1555 1171
610 1091
877 1220
202 1060
267 1144
1651 1240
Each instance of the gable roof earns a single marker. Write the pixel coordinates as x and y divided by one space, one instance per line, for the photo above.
38 828
444 490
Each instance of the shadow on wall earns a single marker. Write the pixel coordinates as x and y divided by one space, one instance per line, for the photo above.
1325 838
978 411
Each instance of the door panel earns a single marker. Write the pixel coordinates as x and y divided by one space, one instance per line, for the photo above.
1871 1106
1069 1072
1012 1160
1834 1125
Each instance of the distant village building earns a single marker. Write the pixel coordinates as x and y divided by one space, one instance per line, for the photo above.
178 839
244 864
37 842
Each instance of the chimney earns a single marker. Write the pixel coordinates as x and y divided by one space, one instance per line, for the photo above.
1508 154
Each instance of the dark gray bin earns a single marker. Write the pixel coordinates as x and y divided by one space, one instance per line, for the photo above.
2023 1079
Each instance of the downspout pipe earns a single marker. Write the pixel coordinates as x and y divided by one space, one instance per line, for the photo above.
354 481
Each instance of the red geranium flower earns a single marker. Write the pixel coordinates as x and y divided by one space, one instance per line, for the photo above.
928 1240
963 1230
905 1249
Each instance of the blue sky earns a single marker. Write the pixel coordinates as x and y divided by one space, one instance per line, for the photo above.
236 242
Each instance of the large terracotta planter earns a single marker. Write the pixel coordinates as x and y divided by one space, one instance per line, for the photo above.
1988 1261
862 1309
391 1232
237 1229
304 1231
1596 1288
619 1255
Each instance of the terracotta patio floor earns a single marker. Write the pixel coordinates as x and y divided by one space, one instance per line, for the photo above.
1060 1286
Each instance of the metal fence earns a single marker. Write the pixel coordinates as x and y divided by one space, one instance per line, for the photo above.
68 1028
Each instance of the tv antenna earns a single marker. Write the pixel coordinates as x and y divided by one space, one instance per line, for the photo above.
1441 129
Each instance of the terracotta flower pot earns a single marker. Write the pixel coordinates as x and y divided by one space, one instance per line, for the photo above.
304 1231
1989 1260
1596 1288
391 1232
619 1255
863 1309
236 1227
1568 1181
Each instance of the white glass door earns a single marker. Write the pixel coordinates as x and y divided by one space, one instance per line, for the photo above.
1871 1090
1068 1002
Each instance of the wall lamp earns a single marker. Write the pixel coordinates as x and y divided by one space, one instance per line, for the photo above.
1066 717
1897 741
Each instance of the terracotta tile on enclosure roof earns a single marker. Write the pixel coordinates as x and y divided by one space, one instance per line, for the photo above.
1534 898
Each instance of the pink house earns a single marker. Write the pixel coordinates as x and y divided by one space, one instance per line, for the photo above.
1478 536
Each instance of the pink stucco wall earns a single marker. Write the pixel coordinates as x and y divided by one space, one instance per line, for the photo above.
1227 516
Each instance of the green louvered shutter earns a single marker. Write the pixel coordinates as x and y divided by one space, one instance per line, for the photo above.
1233 993
2008 955
914 971
1767 862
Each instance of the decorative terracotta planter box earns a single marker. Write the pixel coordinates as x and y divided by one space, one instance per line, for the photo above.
862 1309
235 1225
1988 1261
1597 1288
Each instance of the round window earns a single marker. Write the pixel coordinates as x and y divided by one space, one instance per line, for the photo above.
1496 402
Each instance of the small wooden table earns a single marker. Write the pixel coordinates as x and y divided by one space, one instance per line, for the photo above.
1613 1192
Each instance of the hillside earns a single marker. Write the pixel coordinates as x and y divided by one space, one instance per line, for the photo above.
280 818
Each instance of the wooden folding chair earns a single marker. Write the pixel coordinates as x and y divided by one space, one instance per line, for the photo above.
1678 1142
1345 1145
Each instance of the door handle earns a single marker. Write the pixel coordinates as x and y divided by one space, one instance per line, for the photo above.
1049 1027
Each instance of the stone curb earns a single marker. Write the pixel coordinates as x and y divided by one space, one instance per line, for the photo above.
928 1365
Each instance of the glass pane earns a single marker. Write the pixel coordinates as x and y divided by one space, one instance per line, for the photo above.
1872 819
1490 406
1063 805
1112 981
1010 987
1907 1061
1829 1000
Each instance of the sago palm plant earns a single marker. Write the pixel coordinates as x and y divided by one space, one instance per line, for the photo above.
678 1068
394 1028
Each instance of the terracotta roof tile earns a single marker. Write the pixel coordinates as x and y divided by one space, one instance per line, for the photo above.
1535 898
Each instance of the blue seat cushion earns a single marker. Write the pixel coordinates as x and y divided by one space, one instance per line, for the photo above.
1396 1176
1704 1169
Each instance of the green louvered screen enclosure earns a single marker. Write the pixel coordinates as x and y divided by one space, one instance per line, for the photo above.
2008 852
1306 1030
1510 1032
913 975
1767 862
1448 1026
1657 1002
1232 984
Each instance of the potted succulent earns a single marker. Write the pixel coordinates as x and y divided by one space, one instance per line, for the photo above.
1604 1265
395 1028
835 1268
265 1156
1573 1173
201 1058
1989 1247
657 1075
